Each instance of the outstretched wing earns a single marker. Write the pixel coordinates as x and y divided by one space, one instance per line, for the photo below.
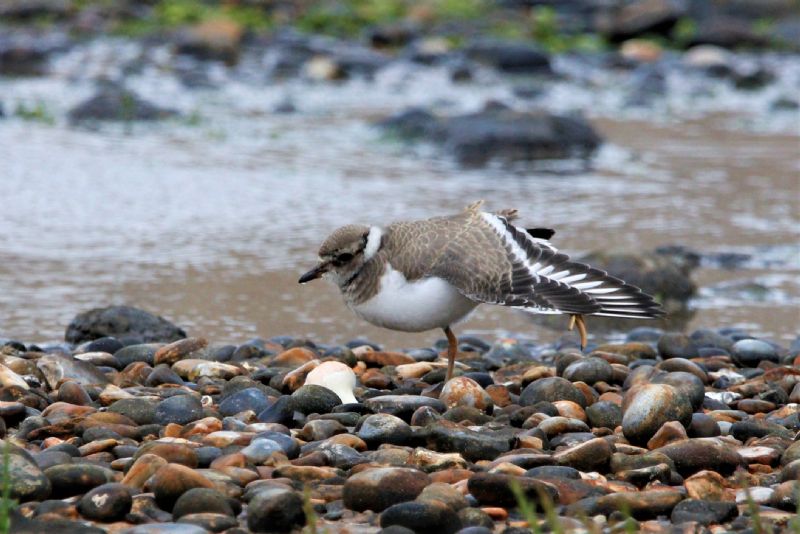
492 261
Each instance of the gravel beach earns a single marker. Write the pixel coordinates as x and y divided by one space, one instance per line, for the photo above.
149 431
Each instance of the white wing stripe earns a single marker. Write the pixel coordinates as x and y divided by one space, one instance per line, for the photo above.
516 250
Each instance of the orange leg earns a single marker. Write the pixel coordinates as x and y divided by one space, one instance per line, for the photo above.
452 348
577 319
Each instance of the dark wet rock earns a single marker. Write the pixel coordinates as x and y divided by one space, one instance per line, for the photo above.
703 426
115 103
495 489
172 481
500 134
705 337
688 384
162 374
275 510
28 482
108 502
378 488
25 53
650 17
210 522
551 389
695 454
73 393
77 478
704 512
23 525
384 428
180 409
119 321
445 436
201 500
247 399
592 455
311 398
506 351
140 410
287 443
727 32
744 430
604 414
144 353
641 505
553 471
279 411
422 517
676 345
403 406
512 57
656 274
650 406
589 370
791 453
103 344
751 352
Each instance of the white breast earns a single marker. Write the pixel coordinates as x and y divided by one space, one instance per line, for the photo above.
414 306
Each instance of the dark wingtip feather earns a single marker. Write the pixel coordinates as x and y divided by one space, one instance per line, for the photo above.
541 233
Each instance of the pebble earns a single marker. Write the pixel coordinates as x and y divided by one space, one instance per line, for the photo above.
379 488
194 444
107 502
751 352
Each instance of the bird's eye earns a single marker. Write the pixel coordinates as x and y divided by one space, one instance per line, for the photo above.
342 258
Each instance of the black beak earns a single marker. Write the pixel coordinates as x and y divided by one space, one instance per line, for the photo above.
314 273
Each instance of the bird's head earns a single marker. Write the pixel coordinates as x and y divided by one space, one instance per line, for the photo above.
344 253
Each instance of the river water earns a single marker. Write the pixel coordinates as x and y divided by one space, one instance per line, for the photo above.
210 221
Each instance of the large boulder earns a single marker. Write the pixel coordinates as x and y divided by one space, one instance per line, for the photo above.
121 321
498 133
115 103
25 53
513 57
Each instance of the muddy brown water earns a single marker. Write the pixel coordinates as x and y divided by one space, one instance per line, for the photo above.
212 231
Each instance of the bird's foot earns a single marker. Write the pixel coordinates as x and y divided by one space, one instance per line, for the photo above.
578 320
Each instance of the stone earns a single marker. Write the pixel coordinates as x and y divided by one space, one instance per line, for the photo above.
107 502
495 489
202 500
704 512
179 350
422 517
140 410
551 389
216 39
113 102
592 455
180 409
640 504
172 481
260 450
378 488
669 432
751 352
650 406
27 481
275 510
446 436
463 391
314 399
604 414
178 453
77 478
403 406
144 352
58 367
646 17
384 428
512 57
696 454
589 370
335 376
676 345
445 493
247 399
121 321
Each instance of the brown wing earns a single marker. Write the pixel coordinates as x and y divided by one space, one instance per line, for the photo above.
492 261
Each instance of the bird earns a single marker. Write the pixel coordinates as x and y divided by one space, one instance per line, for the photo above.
414 276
